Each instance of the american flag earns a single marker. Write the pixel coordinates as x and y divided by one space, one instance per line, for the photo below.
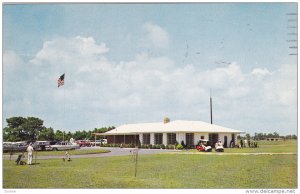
61 80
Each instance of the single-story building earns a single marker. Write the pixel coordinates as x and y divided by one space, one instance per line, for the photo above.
274 139
167 133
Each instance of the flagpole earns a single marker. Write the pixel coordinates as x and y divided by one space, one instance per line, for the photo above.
61 82
64 112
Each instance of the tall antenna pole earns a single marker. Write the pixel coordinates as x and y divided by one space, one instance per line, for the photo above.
211 120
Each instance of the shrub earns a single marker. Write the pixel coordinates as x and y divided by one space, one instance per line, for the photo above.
117 145
150 146
131 145
179 147
162 146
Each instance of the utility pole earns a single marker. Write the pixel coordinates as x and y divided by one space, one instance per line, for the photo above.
211 119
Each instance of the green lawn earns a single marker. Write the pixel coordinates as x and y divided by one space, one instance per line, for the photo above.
288 146
270 147
157 171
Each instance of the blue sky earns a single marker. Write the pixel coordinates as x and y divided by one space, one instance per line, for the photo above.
130 63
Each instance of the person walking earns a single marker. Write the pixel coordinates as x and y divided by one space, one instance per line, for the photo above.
30 153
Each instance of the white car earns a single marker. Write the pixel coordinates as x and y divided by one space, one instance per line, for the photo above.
64 146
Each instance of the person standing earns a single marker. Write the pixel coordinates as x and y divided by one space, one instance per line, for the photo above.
30 153
241 142
246 142
231 144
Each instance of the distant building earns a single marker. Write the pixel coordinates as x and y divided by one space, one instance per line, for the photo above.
274 139
168 132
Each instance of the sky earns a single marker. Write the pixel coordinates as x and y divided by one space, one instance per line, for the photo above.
135 63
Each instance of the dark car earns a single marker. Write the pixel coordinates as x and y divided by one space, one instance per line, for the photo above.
41 145
14 146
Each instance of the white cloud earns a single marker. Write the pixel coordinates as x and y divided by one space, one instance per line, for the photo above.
101 91
69 50
155 36
260 72
281 87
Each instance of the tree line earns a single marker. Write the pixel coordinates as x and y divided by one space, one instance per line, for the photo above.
33 129
264 136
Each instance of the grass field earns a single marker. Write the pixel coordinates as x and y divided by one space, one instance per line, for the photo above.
289 146
159 171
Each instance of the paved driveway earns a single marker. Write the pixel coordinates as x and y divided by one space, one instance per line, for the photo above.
113 152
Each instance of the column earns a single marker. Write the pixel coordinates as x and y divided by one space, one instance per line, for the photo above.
165 138
152 138
141 138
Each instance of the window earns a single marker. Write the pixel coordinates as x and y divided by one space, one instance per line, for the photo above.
189 139
171 138
158 138
146 138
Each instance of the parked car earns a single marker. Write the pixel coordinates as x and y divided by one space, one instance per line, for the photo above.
7 146
103 141
64 146
98 142
20 146
41 145
84 143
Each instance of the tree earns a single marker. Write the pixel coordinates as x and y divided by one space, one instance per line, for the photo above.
33 127
247 136
22 129
77 135
9 134
14 130
58 136
275 135
68 136
47 134
294 136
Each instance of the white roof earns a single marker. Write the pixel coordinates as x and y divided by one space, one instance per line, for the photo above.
171 127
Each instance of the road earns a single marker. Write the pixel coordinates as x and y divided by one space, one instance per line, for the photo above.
128 151
113 152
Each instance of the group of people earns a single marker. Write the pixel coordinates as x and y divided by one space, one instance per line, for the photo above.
245 142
